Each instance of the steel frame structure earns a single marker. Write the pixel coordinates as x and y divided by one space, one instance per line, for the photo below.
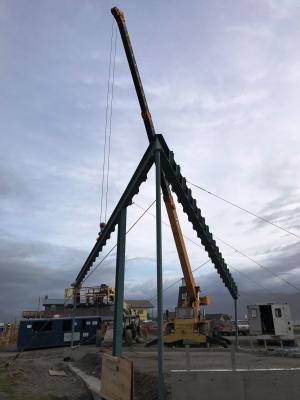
184 194
159 154
168 174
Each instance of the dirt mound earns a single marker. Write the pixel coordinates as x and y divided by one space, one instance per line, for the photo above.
27 377
145 384
91 364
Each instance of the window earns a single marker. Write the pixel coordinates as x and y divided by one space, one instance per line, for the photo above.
41 326
67 325
253 313
83 324
278 312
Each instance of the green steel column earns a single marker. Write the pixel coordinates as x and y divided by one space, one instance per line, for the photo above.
74 315
161 384
236 325
119 286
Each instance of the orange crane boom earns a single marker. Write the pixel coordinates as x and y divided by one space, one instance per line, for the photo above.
192 290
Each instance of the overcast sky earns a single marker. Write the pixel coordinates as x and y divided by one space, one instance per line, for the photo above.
222 79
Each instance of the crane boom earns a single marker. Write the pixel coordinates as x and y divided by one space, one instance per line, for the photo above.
192 289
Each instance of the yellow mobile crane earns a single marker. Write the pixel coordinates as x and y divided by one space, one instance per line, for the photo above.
189 326
187 323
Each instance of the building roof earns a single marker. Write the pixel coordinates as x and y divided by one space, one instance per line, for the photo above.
215 316
56 302
139 303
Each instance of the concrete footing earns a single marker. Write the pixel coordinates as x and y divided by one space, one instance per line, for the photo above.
93 384
259 384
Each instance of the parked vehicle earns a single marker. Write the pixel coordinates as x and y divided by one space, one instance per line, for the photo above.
221 324
150 327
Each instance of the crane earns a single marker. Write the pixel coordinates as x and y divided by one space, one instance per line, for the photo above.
188 326
192 299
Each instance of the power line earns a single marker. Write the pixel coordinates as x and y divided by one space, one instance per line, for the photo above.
234 269
104 258
240 252
244 209
241 294
259 264
169 226
253 281
174 283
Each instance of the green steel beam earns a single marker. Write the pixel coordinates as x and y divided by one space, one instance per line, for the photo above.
139 176
184 194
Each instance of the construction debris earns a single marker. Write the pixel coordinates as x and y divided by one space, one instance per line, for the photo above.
53 372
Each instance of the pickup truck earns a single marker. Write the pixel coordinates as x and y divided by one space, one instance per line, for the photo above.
221 324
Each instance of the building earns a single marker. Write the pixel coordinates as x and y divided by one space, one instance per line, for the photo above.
90 301
218 317
140 308
64 308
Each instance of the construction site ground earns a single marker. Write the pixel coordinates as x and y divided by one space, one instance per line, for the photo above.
26 375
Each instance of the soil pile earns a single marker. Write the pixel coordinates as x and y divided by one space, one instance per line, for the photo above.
91 364
145 384
27 378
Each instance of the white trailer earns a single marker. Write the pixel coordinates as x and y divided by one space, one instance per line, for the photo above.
272 324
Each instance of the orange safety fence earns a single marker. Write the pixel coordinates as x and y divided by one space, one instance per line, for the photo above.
9 337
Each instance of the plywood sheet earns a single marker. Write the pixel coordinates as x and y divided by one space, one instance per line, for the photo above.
116 378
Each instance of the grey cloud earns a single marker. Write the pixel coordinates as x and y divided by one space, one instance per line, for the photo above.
276 212
32 269
221 299
12 183
207 102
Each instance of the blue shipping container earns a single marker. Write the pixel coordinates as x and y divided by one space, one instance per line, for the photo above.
56 332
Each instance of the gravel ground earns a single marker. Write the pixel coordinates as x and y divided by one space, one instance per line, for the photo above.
145 383
27 377
145 364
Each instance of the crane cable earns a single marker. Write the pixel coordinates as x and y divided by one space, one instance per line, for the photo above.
108 120
107 254
235 250
245 210
234 269
178 280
